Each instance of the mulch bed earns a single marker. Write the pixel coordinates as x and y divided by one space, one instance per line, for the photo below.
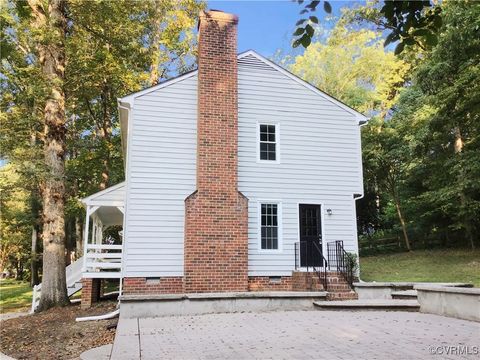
54 334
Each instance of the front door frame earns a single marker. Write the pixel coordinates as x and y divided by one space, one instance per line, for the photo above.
322 224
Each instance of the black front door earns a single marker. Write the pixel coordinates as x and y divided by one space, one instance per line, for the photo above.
310 235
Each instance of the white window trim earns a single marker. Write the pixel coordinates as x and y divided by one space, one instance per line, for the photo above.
277 142
259 226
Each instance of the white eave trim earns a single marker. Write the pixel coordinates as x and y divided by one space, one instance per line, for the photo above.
358 116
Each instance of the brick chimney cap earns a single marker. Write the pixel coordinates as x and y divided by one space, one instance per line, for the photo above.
218 15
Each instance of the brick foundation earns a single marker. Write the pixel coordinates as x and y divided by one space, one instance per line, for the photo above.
306 281
91 289
269 283
163 285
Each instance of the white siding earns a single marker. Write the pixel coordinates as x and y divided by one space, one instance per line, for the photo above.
320 164
161 174
319 161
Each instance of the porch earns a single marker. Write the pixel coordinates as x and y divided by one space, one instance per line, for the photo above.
103 235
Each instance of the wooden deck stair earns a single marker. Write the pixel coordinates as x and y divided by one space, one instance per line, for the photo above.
73 274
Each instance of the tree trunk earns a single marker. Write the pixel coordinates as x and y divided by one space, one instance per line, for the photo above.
467 222
79 237
402 223
33 260
106 135
155 47
68 242
51 55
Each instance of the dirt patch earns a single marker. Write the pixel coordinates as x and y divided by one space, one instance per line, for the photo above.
54 334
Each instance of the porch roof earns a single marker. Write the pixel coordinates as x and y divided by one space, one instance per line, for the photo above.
112 196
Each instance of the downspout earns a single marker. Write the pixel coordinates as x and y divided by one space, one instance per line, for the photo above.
125 157
360 196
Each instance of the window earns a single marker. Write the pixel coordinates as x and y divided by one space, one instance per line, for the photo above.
269 226
268 142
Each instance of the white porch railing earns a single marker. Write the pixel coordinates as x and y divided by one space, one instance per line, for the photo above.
102 261
73 274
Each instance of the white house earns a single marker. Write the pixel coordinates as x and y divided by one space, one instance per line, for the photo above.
238 175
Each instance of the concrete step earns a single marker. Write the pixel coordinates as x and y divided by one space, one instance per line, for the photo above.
405 305
334 296
405 295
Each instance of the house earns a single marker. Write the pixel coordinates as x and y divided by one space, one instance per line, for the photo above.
238 177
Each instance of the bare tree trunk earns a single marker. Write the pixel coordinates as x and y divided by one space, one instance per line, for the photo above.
51 53
33 260
402 222
106 135
467 223
154 74
79 237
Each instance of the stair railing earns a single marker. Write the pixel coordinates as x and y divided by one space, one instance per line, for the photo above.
339 260
307 256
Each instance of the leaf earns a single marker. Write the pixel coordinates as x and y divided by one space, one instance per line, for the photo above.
421 32
309 30
431 39
305 40
399 48
299 31
438 21
296 43
409 41
300 22
327 7
314 19
303 12
393 36
313 5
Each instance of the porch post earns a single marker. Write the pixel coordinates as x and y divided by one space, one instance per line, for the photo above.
85 239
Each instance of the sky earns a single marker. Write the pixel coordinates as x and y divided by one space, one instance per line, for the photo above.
265 26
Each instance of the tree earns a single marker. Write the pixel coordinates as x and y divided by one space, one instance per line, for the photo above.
355 68
50 26
450 81
111 49
408 22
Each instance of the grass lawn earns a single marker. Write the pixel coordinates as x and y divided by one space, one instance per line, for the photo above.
423 265
14 296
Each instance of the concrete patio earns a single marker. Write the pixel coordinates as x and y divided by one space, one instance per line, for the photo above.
296 334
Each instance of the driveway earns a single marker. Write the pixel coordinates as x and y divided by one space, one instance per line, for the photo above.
298 335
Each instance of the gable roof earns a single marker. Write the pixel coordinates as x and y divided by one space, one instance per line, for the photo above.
129 99
111 196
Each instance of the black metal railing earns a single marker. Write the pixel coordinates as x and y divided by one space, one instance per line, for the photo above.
339 260
309 255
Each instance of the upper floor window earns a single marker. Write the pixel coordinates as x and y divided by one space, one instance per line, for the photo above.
268 142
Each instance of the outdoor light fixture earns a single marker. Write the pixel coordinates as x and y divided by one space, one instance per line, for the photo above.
329 211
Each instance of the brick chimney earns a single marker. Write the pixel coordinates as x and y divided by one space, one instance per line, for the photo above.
216 214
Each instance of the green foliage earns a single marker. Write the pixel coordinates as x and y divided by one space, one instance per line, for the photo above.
352 262
431 142
408 22
355 68
112 48
15 222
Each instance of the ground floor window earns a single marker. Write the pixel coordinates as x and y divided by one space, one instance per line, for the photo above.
269 226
